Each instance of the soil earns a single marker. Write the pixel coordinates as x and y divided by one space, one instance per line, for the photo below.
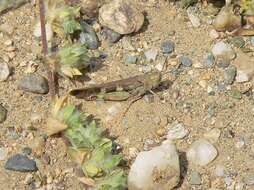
185 101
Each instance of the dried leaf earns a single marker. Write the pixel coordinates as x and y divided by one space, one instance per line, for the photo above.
54 126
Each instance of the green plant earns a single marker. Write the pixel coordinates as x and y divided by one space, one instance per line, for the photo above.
88 146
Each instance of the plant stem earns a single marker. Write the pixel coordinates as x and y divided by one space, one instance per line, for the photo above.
50 73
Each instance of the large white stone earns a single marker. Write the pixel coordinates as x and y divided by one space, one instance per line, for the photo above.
157 169
201 152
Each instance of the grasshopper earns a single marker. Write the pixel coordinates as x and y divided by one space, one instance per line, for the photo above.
120 90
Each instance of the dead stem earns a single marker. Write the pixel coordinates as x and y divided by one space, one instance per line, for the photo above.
50 73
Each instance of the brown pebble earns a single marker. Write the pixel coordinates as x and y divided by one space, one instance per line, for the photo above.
45 159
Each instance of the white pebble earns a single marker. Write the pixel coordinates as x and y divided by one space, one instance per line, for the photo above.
222 49
201 152
214 34
4 71
177 131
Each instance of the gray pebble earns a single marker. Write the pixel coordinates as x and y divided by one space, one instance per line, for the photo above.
195 178
230 74
151 54
20 163
3 114
111 35
88 36
167 47
34 83
185 61
131 59
209 60
252 40
149 98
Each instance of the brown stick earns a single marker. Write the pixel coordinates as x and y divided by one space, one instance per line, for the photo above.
51 74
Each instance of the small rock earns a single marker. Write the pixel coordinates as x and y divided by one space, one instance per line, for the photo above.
177 131
234 93
201 152
131 59
3 114
222 49
27 151
240 143
195 178
34 83
214 34
213 135
195 21
3 153
219 171
4 71
20 163
185 61
222 62
252 40
149 98
242 76
151 54
121 16
209 60
158 168
29 179
111 35
230 74
167 47
88 36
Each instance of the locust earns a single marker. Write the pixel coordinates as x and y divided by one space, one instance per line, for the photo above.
120 90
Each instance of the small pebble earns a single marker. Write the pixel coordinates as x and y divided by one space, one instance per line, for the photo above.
27 151
195 21
201 152
29 179
214 34
185 61
167 47
131 59
88 36
3 153
242 76
34 83
222 49
219 171
177 131
8 42
4 71
209 60
151 54
149 98
3 114
230 74
222 62
111 35
195 178
252 40
20 163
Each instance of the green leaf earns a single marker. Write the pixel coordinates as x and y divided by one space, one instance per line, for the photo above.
115 181
70 26
101 161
